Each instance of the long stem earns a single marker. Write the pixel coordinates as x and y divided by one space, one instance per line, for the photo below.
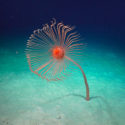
85 79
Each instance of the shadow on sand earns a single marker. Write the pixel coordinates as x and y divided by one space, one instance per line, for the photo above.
101 100
68 95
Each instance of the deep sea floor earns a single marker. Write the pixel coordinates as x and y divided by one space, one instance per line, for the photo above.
26 99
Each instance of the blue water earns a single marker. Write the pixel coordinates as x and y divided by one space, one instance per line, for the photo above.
27 99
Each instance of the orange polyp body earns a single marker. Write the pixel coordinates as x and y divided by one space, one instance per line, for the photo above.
58 52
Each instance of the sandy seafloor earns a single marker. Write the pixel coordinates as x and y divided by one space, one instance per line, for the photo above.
26 99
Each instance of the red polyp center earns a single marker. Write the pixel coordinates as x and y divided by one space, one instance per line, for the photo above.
58 52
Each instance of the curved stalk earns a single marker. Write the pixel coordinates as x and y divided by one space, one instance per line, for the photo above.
85 79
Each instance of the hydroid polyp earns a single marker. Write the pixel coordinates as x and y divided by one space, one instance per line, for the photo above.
49 51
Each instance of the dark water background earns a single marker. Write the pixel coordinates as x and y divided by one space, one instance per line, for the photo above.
99 22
